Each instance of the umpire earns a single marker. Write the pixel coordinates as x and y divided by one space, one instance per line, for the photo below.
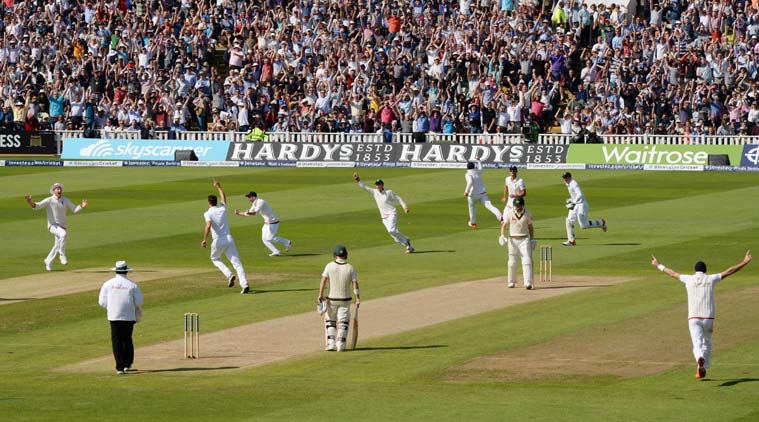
122 298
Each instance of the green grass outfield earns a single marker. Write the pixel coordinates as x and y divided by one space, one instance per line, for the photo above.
152 217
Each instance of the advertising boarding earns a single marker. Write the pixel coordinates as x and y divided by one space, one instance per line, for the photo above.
140 149
392 155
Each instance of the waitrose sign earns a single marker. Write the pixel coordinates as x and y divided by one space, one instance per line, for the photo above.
651 154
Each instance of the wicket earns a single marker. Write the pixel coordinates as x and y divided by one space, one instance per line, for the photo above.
191 326
546 263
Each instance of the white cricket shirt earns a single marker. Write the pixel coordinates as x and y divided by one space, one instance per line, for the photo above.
519 225
218 217
262 208
700 288
474 184
56 209
514 186
575 193
341 275
386 200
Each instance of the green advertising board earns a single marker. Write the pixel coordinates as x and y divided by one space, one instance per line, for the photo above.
651 154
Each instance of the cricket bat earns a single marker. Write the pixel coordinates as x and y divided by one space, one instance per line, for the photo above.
354 331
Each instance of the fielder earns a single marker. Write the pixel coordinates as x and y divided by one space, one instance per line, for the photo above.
223 243
513 187
475 191
700 289
578 210
271 223
520 240
386 202
341 276
56 206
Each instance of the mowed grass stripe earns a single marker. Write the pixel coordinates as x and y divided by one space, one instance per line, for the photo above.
632 226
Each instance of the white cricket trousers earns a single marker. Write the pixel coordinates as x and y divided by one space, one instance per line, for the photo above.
519 247
59 245
269 235
701 336
336 321
391 222
580 213
226 245
482 197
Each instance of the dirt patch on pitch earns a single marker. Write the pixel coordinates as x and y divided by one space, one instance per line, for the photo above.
627 349
57 283
296 335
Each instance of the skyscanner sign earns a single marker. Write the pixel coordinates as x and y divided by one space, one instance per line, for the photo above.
140 149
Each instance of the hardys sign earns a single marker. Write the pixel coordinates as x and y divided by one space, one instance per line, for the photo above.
399 155
27 143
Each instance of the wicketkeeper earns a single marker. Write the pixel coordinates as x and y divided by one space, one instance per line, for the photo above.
520 240
341 276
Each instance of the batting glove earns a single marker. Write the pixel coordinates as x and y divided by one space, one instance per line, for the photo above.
502 240
533 244
569 204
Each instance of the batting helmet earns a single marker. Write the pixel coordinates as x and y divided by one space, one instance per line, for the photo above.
340 251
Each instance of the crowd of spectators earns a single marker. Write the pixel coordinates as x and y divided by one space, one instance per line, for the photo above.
456 66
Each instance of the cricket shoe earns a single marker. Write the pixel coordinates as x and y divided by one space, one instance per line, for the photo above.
603 225
289 244
511 285
231 280
528 287
63 259
473 225
330 347
701 373
49 265
274 254
409 248
120 372
245 290
340 347
569 243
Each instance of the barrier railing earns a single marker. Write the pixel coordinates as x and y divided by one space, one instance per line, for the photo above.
459 138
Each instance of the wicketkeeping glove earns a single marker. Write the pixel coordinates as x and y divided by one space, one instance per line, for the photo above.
502 240
569 204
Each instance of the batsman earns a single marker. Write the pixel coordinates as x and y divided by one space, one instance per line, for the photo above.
341 277
521 241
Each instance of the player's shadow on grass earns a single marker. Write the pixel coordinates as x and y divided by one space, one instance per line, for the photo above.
621 244
151 371
731 383
4 299
298 254
417 252
544 286
432 346
255 291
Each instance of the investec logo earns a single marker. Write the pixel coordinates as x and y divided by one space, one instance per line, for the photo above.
652 155
752 156
101 148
